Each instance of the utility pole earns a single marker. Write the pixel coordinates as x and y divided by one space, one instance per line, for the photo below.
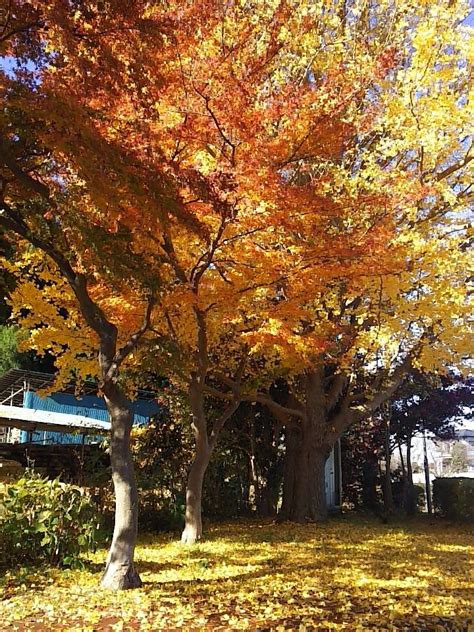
388 496
427 476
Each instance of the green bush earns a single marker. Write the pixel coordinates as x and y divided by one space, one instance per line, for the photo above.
157 514
420 498
417 501
45 521
454 497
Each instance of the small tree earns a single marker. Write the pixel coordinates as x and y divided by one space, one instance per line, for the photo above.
426 403
459 460
9 354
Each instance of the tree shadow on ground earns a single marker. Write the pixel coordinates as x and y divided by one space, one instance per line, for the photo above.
429 623
305 575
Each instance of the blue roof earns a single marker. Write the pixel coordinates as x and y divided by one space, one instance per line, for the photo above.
87 406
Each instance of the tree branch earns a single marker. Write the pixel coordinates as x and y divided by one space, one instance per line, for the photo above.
30 183
336 389
453 168
132 342
219 423
92 313
223 135
273 406
393 382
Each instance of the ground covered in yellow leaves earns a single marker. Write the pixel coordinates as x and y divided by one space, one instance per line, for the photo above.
351 574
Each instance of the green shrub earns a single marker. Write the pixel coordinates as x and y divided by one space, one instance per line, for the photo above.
454 497
157 514
45 521
420 498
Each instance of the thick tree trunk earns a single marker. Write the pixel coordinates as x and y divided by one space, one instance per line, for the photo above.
302 501
292 446
316 428
120 572
192 531
304 482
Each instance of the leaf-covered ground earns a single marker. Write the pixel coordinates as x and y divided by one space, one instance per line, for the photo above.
351 574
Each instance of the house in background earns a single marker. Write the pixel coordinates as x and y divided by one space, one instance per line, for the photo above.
456 456
62 417
59 433
447 457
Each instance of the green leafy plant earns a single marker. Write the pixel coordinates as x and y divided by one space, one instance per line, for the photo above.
46 521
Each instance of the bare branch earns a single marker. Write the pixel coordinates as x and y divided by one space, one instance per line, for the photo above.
272 405
223 135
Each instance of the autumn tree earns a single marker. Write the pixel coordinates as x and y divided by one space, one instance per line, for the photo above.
275 240
416 316
43 204
252 227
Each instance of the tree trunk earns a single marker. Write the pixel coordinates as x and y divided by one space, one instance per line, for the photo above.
311 503
318 499
192 531
316 429
402 461
303 473
304 482
205 444
193 519
120 572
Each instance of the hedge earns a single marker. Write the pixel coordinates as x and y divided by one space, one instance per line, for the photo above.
454 497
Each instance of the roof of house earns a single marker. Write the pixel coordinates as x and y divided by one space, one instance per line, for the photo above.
14 381
465 434
64 409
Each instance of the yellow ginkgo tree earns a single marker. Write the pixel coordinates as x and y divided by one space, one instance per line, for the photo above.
417 314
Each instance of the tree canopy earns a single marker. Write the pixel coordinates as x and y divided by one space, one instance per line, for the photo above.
238 194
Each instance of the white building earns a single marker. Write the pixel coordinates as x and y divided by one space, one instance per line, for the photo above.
440 452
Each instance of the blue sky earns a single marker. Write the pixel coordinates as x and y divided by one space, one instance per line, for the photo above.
470 18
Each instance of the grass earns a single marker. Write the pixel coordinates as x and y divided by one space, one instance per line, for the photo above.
352 574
